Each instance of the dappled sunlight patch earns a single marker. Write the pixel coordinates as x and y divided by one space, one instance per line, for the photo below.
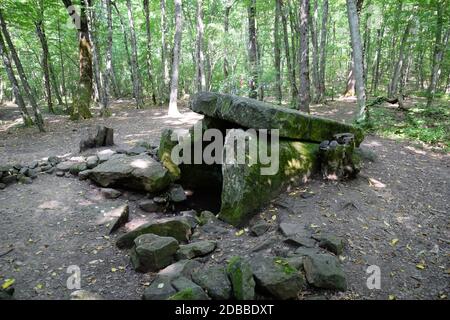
140 164
375 183
135 223
50 205
415 150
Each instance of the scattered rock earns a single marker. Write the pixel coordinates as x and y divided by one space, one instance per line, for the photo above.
277 277
299 240
160 200
160 289
84 175
85 295
137 150
259 228
115 218
185 268
207 217
9 179
65 166
148 206
2 186
60 173
173 227
77 168
24 180
191 217
241 277
53 160
165 153
195 249
152 252
105 155
91 162
109 193
141 173
331 243
7 294
176 193
214 281
187 290
324 271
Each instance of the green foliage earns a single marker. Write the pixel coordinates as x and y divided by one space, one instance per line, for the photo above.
427 125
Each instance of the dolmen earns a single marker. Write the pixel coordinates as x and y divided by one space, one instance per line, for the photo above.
252 151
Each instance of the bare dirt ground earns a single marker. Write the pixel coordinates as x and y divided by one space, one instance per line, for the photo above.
394 215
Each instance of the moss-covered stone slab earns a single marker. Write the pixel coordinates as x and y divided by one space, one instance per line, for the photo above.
250 113
245 189
324 271
214 281
140 173
277 277
177 228
241 277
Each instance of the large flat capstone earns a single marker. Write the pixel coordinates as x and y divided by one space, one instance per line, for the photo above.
250 113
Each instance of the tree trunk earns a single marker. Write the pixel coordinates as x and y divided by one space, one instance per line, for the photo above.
54 82
110 77
134 59
23 78
290 69
323 52
125 39
252 50
376 71
200 58
14 84
149 51
294 43
226 29
437 54
63 75
82 98
164 53
393 85
315 45
357 59
45 67
277 52
304 96
173 108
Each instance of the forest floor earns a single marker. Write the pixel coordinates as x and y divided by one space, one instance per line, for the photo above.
394 215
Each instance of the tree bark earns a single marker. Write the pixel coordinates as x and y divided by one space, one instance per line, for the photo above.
252 50
290 69
45 67
23 78
134 59
277 52
226 29
358 70
173 108
323 52
376 71
200 57
82 97
63 75
164 53
437 55
315 45
14 84
304 96
149 51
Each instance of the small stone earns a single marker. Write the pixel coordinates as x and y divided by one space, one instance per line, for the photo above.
117 217
187 290
91 162
160 200
65 166
2 186
214 281
289 229
136 151
191 217
77 168
50 170
8 179
299 240
53 160
185 268
25 180
195 249
148 206
176 193
34 164
324 271
109 193
60 173
241 277
152 252
160 289
259 228
331 243
207 217
84 295
84 175
104 155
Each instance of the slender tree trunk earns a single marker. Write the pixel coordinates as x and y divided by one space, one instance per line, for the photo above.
393 85
173 108
290 69
252 50
134 59
438 49
315 45
82 98
125 39
63 75
304 96
277 52
14 84
54 83
45 68
23 78
294 43
226 29
358 59
164 53
323 52
376 71
149 51
200 57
